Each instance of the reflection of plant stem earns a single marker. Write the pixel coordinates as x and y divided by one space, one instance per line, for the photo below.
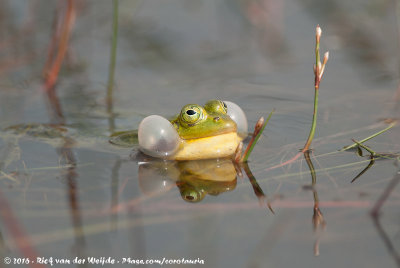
318 72
258 130
311 167
313 177
256 187
3 246
375 217
370 137
318 218
365 169
72 191
114 192
111 71
389 245
21 239
386 193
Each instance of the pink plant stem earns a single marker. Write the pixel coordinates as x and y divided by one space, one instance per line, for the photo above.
54 69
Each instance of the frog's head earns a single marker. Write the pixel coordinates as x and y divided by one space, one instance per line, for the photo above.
195 121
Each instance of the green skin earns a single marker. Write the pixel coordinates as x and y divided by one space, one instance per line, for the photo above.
195 121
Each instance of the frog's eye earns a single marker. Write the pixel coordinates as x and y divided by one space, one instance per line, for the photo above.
191 114
237 115
216 106
192 195
157 137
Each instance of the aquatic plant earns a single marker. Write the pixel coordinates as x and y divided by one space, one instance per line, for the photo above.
258 130
368 138
111 70
319 69
60 39
318 72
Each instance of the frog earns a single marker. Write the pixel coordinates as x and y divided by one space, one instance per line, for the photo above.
214 130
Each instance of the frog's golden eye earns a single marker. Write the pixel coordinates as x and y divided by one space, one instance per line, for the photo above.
216 106
191 114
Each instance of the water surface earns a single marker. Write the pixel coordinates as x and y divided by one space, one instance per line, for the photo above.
79 196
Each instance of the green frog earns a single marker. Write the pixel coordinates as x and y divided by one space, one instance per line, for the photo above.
197 132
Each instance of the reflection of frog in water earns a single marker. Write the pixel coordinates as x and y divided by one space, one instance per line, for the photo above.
194 179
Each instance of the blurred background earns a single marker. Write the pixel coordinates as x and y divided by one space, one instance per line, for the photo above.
74 72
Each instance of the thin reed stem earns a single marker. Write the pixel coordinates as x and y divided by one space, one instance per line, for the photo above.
319 69
368 138
111 71
258 130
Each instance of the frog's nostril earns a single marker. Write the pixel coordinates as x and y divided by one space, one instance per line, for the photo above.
216 118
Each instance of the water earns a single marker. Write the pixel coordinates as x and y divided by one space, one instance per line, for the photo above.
80 196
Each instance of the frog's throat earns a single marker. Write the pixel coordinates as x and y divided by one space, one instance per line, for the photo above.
218 146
